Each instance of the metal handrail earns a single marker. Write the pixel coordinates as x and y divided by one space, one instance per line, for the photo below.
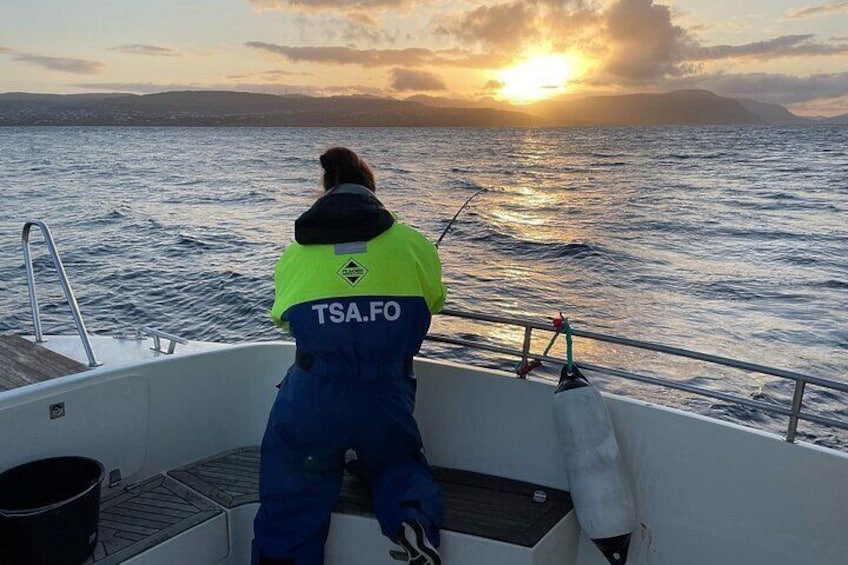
795 413
63 280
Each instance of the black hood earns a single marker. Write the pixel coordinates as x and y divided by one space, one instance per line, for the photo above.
343 216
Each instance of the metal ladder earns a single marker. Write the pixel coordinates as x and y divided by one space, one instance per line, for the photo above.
63 280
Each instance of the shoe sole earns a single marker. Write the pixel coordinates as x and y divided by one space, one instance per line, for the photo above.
421 547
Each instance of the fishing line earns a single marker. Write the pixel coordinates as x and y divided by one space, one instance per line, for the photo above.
458 212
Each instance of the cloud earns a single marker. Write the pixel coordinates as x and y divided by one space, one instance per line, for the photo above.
4 50
273 74
137 87
821 107
409 57
406 79
519 23
493 86
347 55
832 8
628 43
363 19
140 49
359 26
306 90
353 90
776 88
352 20
152 88
61 64
633 40
779 47
502 26
328 4
645 44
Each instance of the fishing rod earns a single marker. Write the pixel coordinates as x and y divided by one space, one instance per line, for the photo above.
458 212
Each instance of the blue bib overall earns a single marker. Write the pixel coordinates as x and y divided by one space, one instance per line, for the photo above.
359 311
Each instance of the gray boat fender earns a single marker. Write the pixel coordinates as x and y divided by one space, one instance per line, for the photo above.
597 477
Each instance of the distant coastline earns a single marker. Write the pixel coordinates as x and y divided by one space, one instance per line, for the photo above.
225 108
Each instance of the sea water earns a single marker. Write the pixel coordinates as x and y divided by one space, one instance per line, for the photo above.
726 240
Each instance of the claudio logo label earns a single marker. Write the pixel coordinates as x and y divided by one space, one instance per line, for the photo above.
352 272
338 313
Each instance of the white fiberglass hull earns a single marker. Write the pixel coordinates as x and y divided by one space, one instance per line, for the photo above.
706 492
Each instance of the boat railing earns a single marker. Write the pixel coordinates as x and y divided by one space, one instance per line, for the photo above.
795 412
63 281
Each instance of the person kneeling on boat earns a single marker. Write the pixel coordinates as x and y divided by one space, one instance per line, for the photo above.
357 290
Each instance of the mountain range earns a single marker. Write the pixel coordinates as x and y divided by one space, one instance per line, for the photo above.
224 108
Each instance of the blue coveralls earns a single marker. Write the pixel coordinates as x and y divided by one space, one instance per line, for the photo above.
352 387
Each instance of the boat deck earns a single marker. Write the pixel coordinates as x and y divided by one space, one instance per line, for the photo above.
145 515
23 362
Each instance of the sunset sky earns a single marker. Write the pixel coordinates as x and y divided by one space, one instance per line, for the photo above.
792 52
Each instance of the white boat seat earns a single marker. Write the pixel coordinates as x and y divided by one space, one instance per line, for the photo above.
475 504
172 513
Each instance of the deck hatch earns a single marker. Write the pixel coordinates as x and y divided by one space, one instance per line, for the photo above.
139 518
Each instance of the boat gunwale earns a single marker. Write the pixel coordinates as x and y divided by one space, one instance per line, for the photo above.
795 412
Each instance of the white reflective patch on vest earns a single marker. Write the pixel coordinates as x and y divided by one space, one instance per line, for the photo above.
338 313
351 248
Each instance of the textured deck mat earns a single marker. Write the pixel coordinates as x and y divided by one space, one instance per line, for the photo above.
475 504
146 515
230 479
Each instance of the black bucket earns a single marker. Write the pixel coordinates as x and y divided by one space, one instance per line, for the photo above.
49 510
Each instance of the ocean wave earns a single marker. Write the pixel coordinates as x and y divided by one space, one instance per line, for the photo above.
91 253
718 155
465 184
777 196
744 414
746 290
251 197
794 169
114 215
602 155
829 284
793 258
514 246
220 241
192 242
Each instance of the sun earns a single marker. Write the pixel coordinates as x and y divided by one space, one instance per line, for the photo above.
536 78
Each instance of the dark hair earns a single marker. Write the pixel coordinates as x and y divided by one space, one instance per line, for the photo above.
342 165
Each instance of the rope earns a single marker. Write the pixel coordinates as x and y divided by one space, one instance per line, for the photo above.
568 346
